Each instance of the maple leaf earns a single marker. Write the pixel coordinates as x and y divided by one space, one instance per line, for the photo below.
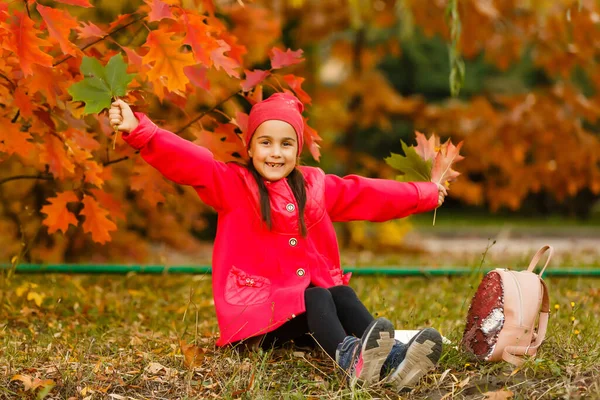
158 10
59 24
223 143
96 221
168 62
220 60
26 44
427 148
442 172
413 168
280 59
253 78
101 84
80 3
295 83
23 102
58 216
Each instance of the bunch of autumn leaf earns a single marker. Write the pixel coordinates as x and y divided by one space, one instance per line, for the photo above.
428 161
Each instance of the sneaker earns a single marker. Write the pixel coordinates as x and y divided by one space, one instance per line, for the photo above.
362 359
348 357
377 342
407 363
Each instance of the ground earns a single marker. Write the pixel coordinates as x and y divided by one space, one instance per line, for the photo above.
141 336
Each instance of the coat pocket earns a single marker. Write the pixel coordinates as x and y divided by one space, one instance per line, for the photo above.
245 289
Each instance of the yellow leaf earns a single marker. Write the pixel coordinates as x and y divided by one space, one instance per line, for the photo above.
36 297
501 394
25 380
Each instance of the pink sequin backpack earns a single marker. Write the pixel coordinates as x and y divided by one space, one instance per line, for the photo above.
501 323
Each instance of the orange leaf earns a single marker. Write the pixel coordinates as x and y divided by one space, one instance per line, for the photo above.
449 154
220 60
253 78
23 102
168 61
311 137
80 3
58 216
13 141
26 44
499 395
158 10
53 153
45 81
96 222
198 37
223 143
90 31
295 83
192 354
280 59
59 24
107 201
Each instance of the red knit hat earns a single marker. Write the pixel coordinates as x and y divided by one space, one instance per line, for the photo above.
280 106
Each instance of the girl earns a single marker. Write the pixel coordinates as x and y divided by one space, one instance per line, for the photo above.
276 267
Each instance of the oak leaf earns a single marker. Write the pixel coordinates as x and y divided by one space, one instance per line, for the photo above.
197 75
501 394
295 83
192 354
80 3
280 59
58 216
101 85
26 44
89 30
220 60
59 24
253 78
167 61
158 10
96 221
13 141
199 38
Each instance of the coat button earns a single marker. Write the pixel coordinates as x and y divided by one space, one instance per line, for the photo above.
300 272
290 207
293 242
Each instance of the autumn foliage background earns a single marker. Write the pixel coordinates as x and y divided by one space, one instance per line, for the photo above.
370 73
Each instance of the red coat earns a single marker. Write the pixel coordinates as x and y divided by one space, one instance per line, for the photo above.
259 276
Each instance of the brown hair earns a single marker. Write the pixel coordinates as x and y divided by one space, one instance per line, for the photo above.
297 184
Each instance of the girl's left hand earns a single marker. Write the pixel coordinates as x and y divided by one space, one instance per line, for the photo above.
442 193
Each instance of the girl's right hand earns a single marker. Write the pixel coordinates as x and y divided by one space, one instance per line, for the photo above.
121 117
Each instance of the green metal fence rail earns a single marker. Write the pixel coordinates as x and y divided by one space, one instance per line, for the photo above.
205 269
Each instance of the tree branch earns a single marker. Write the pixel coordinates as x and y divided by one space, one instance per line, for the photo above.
16 177
139 18
12 84
117 160
198 117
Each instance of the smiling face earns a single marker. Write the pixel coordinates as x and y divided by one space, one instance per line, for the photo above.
274 149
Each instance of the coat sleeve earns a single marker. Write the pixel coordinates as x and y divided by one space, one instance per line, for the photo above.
182 161
357 198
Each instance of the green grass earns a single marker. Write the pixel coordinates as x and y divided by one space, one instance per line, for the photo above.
118 337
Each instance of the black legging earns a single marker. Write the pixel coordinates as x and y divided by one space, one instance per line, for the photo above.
331 314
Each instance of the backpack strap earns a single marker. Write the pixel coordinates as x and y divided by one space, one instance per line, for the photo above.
513 354
536 259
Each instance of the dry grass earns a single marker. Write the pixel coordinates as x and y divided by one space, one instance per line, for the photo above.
118 337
